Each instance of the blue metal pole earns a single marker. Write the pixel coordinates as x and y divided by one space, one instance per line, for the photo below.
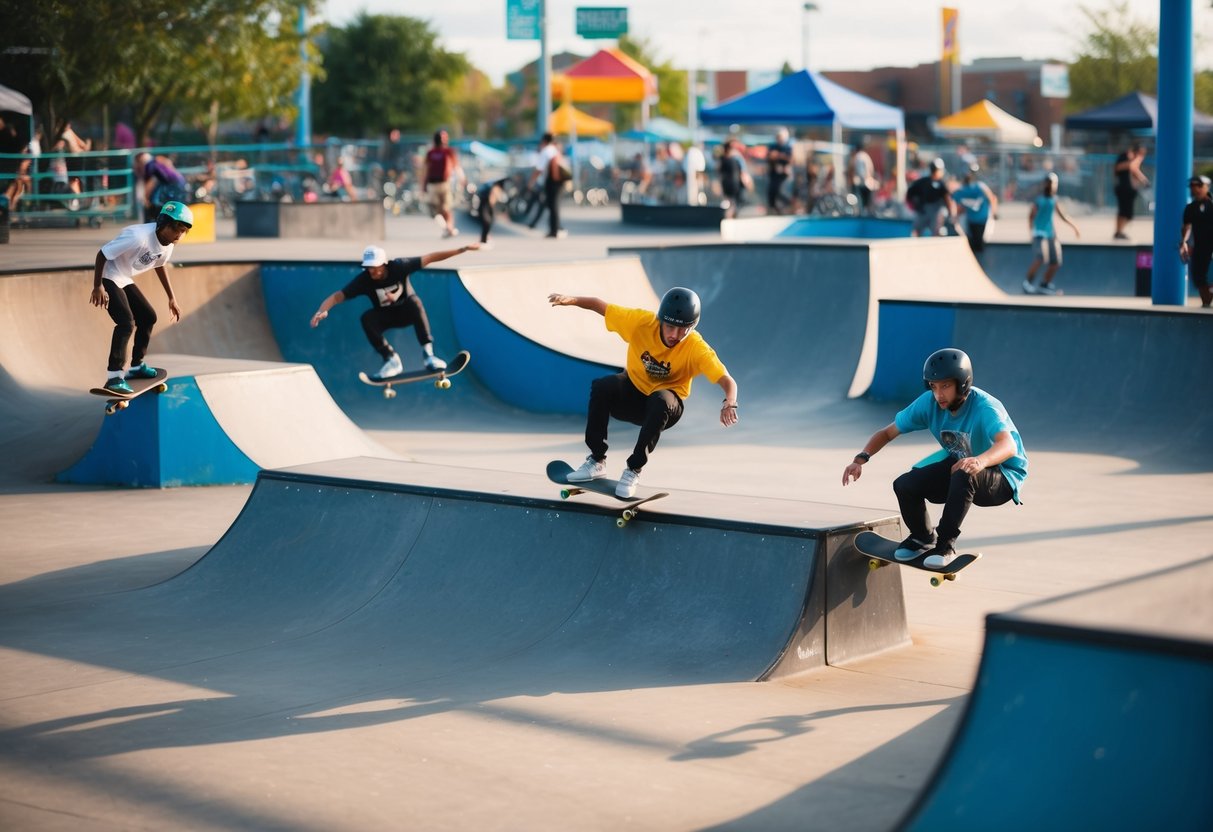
303 121
1172 147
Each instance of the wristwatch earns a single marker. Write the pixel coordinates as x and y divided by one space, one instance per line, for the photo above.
864 455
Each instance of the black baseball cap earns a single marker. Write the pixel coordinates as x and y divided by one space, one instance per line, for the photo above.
1199 180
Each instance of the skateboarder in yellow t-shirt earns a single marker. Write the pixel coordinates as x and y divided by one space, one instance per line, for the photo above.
664 355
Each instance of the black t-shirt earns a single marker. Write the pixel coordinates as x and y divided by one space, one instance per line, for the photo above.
393 290
1124 179
1199 215
779 158
925 192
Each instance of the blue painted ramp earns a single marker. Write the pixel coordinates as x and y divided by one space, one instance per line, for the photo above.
161 441
220 422
1116 369
1090 712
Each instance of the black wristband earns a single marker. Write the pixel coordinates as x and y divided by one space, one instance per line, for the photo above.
864 455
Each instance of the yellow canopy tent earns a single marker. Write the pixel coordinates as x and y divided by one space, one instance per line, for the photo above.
986 120
568 120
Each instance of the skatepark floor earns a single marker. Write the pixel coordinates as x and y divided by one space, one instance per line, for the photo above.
840 747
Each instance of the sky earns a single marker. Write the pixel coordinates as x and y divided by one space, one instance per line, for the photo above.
842 34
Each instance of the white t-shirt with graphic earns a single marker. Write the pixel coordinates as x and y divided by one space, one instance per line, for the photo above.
132 252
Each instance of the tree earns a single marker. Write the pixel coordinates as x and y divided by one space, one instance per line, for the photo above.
671 85
1118 56
235 57
385 71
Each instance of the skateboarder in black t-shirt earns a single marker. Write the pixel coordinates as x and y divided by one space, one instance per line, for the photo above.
1198 224
395 304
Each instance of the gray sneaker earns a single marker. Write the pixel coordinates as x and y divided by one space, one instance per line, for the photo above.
627 484
591 469
911 548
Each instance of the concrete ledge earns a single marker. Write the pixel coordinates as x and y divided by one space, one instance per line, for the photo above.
329 220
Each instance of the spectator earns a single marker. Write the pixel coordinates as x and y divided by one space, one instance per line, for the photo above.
162 183
779 166
979 206
1128 177
930 201
441 162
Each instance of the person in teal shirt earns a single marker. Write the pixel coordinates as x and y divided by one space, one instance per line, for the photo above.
1044 238
978 204
984 464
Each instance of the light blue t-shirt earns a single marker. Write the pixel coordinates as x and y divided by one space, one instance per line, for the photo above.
975 202
968 432
1042 223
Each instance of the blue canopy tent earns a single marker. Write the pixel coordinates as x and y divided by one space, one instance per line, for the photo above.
1135 111
806 98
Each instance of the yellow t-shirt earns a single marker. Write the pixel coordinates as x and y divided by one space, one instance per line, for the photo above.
651 364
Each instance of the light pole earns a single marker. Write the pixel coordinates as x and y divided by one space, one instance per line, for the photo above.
804 32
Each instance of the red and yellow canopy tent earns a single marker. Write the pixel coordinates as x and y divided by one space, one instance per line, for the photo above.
608 76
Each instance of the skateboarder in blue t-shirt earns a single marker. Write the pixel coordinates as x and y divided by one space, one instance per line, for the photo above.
985 463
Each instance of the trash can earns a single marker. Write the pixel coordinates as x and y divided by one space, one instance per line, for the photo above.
1145 272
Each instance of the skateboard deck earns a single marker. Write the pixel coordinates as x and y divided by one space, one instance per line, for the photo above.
139 386
558 472
442 377
879 551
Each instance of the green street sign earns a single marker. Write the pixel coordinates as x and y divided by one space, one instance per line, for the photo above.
602 22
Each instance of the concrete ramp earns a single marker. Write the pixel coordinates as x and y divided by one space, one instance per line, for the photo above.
796 322
1114 376
1090 712
220 422
355 580
531 355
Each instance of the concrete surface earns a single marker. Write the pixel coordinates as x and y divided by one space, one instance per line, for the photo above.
119 715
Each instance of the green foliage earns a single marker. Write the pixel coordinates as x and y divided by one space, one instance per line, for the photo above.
671 86
385 71
196 60
1118 56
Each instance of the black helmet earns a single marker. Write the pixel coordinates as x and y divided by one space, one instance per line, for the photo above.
949 363
679 307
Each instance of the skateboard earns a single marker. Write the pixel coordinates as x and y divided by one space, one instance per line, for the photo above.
879 551
558 472
442 377
139 386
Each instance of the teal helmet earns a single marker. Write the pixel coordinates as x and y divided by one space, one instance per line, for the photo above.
178 211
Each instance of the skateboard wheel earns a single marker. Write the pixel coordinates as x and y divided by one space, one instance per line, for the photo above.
951 576
874 564
621 522
109 409
123 405
161 388
443 384
936 581
565 493
628 514
389 393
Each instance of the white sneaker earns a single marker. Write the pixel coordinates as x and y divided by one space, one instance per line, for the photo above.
1048 289
433 363
1029 288
939 560
391 367
450 232
591 469
627 483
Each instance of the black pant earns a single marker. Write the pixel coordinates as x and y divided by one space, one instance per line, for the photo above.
131 313
551 193
379 319
617 396
488 213
937 484
775 196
